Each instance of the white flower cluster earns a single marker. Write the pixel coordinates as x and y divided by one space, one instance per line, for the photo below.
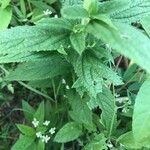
44 138
47 12
64 82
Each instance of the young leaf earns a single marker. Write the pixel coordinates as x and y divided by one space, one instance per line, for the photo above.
28 111
5 17
91 6
80 111
78 41
68 132
40 113
74 12
127 40
48 69
26 130
141 115
23 143
106 102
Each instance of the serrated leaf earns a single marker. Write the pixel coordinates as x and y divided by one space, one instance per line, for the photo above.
40 113
127 40
136 10
91 73
5 17
106 102
26 57
126 11
68 132
78 41
28 111
32 38
141 115
23 143
56 22
80 111
40 69
74 12
71 2
26 130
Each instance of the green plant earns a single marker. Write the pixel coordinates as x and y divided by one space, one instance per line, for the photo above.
73 53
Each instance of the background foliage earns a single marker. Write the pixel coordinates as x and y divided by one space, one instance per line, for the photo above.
74 74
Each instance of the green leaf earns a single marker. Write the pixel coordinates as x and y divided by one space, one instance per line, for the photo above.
71 2
91 71
126 11
40 113
78 41
23 143
74 12
26 57
80 110
18 39
106 102
56 22
5 3
128 141
127 40
28 111
146 24
98 143
91 6
26 130
141 115
68 132
48 69
5 17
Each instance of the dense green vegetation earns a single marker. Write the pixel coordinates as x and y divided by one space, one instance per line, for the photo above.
74 75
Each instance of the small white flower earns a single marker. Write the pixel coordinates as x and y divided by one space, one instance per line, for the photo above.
35 122
47 12
39 135
46 123
125 110
52 130
67 87
122 99
45 138
110 145
63 81
56 16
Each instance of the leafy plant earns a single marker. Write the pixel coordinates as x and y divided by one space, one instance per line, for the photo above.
72 57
